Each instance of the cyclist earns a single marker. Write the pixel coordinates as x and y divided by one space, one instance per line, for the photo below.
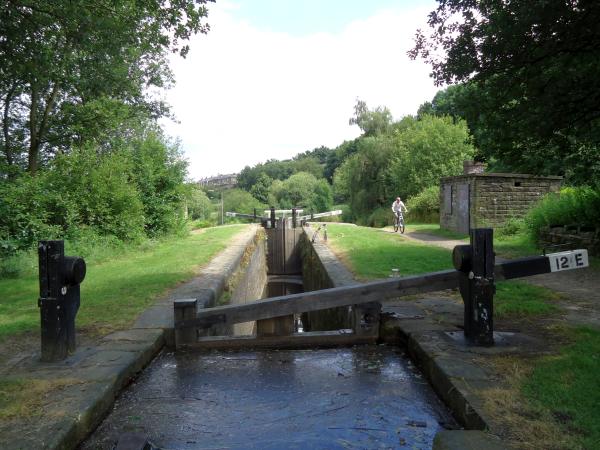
397 208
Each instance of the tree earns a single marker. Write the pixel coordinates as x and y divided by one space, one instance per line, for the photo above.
72 68
372 122
403 163
304 190
240 201
432 148
362 176
260 189
198 204
535 66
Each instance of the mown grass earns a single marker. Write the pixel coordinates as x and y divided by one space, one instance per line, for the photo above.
372 253
116 290
516 298
568 386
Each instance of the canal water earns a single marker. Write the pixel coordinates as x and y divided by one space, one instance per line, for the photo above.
365 397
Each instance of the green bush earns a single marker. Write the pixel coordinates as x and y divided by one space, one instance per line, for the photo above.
512 227
127 194
381 217
425 206
572 206
240 201
199 205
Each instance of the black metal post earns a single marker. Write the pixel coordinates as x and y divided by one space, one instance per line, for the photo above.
476 283
294 217
59 277
272 217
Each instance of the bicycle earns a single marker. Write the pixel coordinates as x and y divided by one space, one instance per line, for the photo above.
399 222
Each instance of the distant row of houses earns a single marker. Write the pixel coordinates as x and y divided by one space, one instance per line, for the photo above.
219 181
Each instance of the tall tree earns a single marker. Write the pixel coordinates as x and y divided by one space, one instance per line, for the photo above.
535 64
69 65
372 122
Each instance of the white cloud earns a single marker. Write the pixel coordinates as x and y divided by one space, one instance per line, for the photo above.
244 95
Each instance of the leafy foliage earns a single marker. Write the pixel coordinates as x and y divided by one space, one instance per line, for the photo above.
572 206
532 70
371 122
429 149
199 205
304 190
402 163
130 193
425 206
281 170
75 70
240 201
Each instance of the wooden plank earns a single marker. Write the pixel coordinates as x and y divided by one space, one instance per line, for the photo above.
322 339
375 291
523 267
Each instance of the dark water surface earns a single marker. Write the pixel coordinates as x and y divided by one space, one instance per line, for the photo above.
367 397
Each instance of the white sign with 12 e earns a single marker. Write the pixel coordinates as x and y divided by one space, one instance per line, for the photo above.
574 259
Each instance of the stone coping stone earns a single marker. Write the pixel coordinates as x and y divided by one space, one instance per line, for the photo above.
466 440
502 175
338 273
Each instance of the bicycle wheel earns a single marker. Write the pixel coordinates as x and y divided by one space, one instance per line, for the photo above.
401 226
395 224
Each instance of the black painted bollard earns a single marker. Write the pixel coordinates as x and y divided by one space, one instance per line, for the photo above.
60 277
272 217
294 215
476 265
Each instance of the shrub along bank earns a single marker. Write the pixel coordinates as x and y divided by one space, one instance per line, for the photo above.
130 193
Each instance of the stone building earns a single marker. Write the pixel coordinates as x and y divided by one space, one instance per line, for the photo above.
477 199
227 181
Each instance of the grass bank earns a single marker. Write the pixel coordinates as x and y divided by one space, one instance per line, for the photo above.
117 289
568 387
371 253
551 402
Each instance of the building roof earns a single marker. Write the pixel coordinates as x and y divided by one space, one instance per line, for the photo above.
501 175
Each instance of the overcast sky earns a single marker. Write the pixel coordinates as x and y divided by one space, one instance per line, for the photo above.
274 78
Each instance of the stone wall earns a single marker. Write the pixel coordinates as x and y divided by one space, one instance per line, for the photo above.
249 281
556 239
499 197
492 198
449 203
322 270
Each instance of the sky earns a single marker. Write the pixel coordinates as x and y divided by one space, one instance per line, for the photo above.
274 78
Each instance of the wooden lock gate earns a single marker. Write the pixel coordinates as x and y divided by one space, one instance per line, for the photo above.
475 274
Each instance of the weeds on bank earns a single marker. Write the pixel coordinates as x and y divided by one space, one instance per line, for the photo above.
23 398
552 402
568 386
